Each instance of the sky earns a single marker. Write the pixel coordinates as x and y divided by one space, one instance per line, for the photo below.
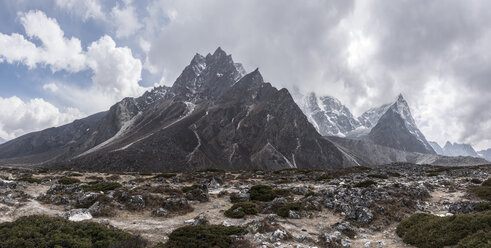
65 59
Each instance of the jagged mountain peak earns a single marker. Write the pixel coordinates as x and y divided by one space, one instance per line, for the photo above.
208 76
328 115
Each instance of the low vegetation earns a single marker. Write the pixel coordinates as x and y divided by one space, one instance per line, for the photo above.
285 210
241 209
29 180
68 180
262 193
203 236
430 231
41 231
101 186
483 191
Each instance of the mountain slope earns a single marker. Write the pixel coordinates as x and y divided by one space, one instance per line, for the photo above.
212 116
50 142
397 129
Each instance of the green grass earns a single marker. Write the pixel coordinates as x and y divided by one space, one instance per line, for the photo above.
430 231
101 186
68 180
202 236
285 210
42 231
241 209
29 180
261 193
365 184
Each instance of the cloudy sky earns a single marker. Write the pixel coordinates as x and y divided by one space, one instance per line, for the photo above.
64 59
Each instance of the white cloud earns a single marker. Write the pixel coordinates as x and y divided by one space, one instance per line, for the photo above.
116 72
86 8
58 52
125 20
51 87
19 117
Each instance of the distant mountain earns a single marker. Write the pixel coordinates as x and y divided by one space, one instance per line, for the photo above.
486 154
2 140
390 125
213 116
367 153
328 115
397 129
456 149
436 147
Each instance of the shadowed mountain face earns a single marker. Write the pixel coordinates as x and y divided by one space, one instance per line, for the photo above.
213 116
397 129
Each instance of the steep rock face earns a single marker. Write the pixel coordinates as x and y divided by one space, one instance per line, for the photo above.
486 154
328 115
456 149
397 129
213 116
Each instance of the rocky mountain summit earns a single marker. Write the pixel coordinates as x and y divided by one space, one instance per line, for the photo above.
212 116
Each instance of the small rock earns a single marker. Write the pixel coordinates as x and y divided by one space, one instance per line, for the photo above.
78 215
137 201
161 212
294 214
227 223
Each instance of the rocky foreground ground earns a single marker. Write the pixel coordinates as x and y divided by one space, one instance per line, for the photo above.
357 207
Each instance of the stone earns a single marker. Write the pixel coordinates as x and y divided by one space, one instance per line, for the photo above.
294 214
137 201
227 223
200 220
78 215
161 212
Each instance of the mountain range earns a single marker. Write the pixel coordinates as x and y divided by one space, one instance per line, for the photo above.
216 115
390 125
457 149
212 116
